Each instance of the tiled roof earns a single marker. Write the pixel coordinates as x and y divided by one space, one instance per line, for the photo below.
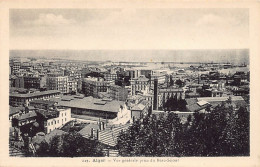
138 107
191 101
87 129
92 104
43 102
170 90
195 107
14 110
86 117
109 135
48 114
34 94
141 78
28 115
211 99
202 102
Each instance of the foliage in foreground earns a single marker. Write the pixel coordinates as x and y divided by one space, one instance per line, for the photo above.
222 132
70 145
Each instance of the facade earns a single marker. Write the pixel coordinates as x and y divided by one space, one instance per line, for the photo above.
138 111
18 99
160 77
118 93
72 86
34 82
131 73
26 119
149 98
165 94
15 67
79 85
110 76
42 104
139 84
26 66
19 82
46 120
12 80
63 116
92 86
57 82
147 73
14 112
214 92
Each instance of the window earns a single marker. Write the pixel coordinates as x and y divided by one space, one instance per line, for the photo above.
65 119
51 122
58 121
65 114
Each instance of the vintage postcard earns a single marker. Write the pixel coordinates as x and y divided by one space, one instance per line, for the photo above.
129 83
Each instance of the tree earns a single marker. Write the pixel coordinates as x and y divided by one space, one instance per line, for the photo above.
179 83
173 104
155 136
43 150
222 131
244 131
70 145
171 81
181 104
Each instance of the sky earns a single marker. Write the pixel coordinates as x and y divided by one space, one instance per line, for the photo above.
130 29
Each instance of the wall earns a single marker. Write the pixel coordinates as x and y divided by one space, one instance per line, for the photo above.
55 123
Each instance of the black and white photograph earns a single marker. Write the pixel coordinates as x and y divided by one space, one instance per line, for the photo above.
126 83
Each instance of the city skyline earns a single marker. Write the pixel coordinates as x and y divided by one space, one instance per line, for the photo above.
236 56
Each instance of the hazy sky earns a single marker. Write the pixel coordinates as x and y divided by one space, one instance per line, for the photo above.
129 28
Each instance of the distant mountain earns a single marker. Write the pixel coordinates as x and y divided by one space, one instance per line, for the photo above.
235 56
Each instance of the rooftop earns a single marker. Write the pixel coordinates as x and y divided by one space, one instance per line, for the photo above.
171 90
87 129
138 107
43 102
212 99
48 113
15 110
202 103
27 115
34 94
141 78
90 103
196 107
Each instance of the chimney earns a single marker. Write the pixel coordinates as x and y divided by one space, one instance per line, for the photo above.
155 104
99 125
97 134
92 133
103 125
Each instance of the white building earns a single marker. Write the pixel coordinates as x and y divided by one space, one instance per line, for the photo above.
57 82
64 116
